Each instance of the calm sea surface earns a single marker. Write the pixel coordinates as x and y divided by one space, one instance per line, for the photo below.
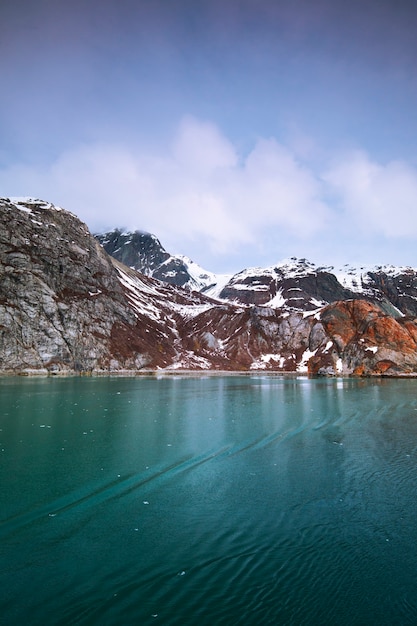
208 501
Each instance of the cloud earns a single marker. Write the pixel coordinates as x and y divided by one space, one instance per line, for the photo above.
200 188
380 199
202 197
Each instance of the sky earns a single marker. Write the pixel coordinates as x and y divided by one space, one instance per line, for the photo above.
239 132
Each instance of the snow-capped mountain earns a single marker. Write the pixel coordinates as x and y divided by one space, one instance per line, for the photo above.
67 306
144 252
301 285
296 284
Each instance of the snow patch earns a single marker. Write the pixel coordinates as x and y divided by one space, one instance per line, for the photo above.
277 301
303 365
267 358
314 313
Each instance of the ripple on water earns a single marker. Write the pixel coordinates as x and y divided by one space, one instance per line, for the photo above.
293 505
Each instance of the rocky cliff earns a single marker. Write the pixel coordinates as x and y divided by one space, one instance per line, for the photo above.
67 306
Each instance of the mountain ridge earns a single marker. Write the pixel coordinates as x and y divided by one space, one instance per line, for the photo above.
66 306
272 285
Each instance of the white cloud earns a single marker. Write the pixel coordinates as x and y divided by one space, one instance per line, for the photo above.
379 198
200 188
201 192
200 148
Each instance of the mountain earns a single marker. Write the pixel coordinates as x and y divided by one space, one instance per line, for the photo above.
143 252
68 306
296 284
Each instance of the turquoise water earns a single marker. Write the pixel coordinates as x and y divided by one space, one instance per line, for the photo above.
209 501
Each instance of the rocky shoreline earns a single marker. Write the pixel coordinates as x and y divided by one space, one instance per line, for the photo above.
177 373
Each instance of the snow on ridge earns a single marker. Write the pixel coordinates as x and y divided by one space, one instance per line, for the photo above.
288 268
28 204
353 277
197 273
202 280
21 202
191 310
356 277
294 267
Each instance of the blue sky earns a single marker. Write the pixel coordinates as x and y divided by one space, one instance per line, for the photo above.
239 132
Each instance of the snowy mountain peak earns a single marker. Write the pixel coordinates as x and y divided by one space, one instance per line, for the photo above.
296 284
144 252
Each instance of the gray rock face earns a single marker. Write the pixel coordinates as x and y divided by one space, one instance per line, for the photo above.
138 250
59 293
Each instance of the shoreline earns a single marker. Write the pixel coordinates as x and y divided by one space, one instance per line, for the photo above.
182 373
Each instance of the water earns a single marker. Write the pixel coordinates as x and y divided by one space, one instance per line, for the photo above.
208 501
